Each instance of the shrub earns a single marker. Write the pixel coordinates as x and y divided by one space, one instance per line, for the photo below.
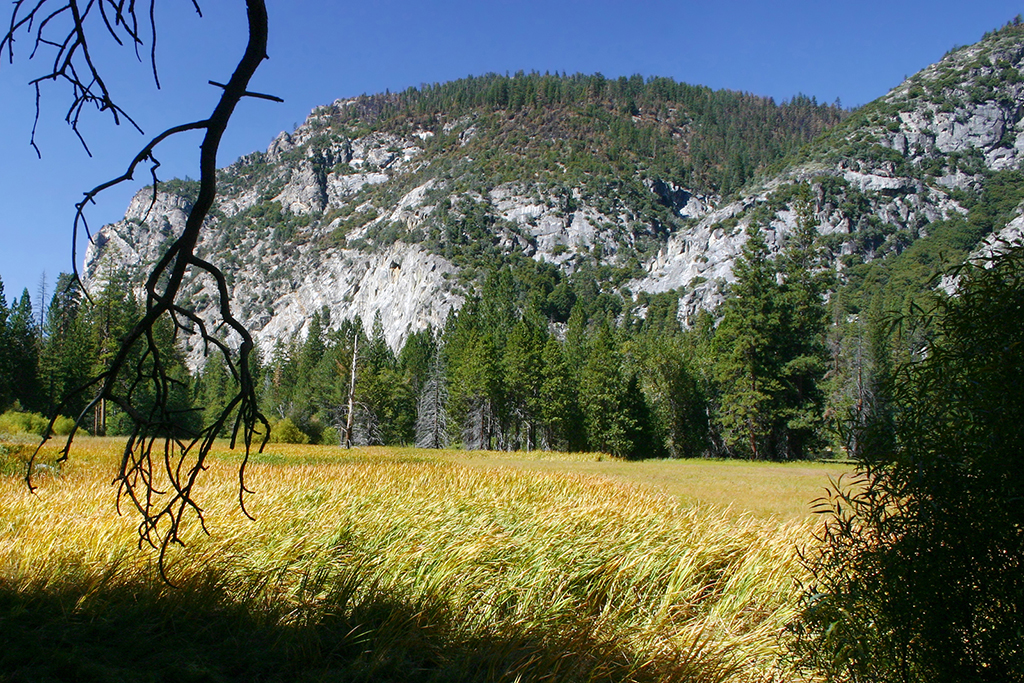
13 422
330 437
62 426
285 431
921 573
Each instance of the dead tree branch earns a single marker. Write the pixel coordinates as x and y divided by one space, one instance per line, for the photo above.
162 461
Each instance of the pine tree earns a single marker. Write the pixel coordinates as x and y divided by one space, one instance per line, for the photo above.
23 346
679 394
608 413
65 360
522 362
747 366
806 278
385 405
559 407
417 357
476 379
857 377
213 387
112 315
6 390
432 407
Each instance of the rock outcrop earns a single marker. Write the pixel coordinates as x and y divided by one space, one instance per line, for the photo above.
398 221
879 179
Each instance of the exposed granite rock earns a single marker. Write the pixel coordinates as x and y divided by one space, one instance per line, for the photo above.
354 215
962 121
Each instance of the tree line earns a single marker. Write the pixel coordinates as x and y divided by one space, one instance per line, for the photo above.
917 573
788 368
47 358
710 140
536 359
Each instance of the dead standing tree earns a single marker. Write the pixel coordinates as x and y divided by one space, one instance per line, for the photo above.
160 465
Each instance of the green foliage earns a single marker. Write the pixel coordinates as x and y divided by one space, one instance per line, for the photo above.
595 131
66 359
769 349
62 425
17 422
7 389
14 422
905 278
285 431
187 188
920 574
679 388
746 366
22 354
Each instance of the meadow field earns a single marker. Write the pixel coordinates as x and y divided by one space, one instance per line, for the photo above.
409 565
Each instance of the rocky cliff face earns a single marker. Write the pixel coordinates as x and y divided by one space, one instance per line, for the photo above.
398 220
918 155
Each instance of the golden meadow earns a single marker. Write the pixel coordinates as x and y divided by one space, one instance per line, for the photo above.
409 565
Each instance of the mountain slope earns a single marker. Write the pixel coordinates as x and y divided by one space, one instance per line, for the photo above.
896 171
397 205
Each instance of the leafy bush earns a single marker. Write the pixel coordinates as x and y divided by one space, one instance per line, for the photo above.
285 431
921 573
13 422
62 426
16 422
330 437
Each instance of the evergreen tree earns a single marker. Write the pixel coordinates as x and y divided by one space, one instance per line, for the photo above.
112 315
432 407
6 388
858 374
559 407
475 392
281 378
386 411
23 348
747 367
679 394
802 348
610 402
641 434
313 381
417 358
523 361
66 357
213 388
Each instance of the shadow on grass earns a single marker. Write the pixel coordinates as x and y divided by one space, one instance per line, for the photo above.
219 629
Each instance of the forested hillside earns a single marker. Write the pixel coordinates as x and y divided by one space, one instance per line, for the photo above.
639 267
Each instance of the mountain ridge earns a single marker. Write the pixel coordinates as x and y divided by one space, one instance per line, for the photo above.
391 206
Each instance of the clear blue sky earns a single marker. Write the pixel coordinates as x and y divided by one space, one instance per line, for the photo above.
322 50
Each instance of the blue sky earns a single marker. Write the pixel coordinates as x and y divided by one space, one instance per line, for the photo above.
322 50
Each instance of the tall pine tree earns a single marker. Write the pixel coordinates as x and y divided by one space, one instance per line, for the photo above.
746 344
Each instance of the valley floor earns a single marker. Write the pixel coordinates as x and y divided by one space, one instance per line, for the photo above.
782 491
410 565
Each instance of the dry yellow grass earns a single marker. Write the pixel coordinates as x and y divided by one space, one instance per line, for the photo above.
781 491
489 573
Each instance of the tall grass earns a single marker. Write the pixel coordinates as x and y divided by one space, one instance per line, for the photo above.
377 568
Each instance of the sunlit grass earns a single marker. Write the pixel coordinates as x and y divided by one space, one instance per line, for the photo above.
397 564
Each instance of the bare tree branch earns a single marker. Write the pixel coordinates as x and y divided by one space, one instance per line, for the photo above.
162 461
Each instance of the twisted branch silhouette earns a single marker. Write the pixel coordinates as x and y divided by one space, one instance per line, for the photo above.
162 461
